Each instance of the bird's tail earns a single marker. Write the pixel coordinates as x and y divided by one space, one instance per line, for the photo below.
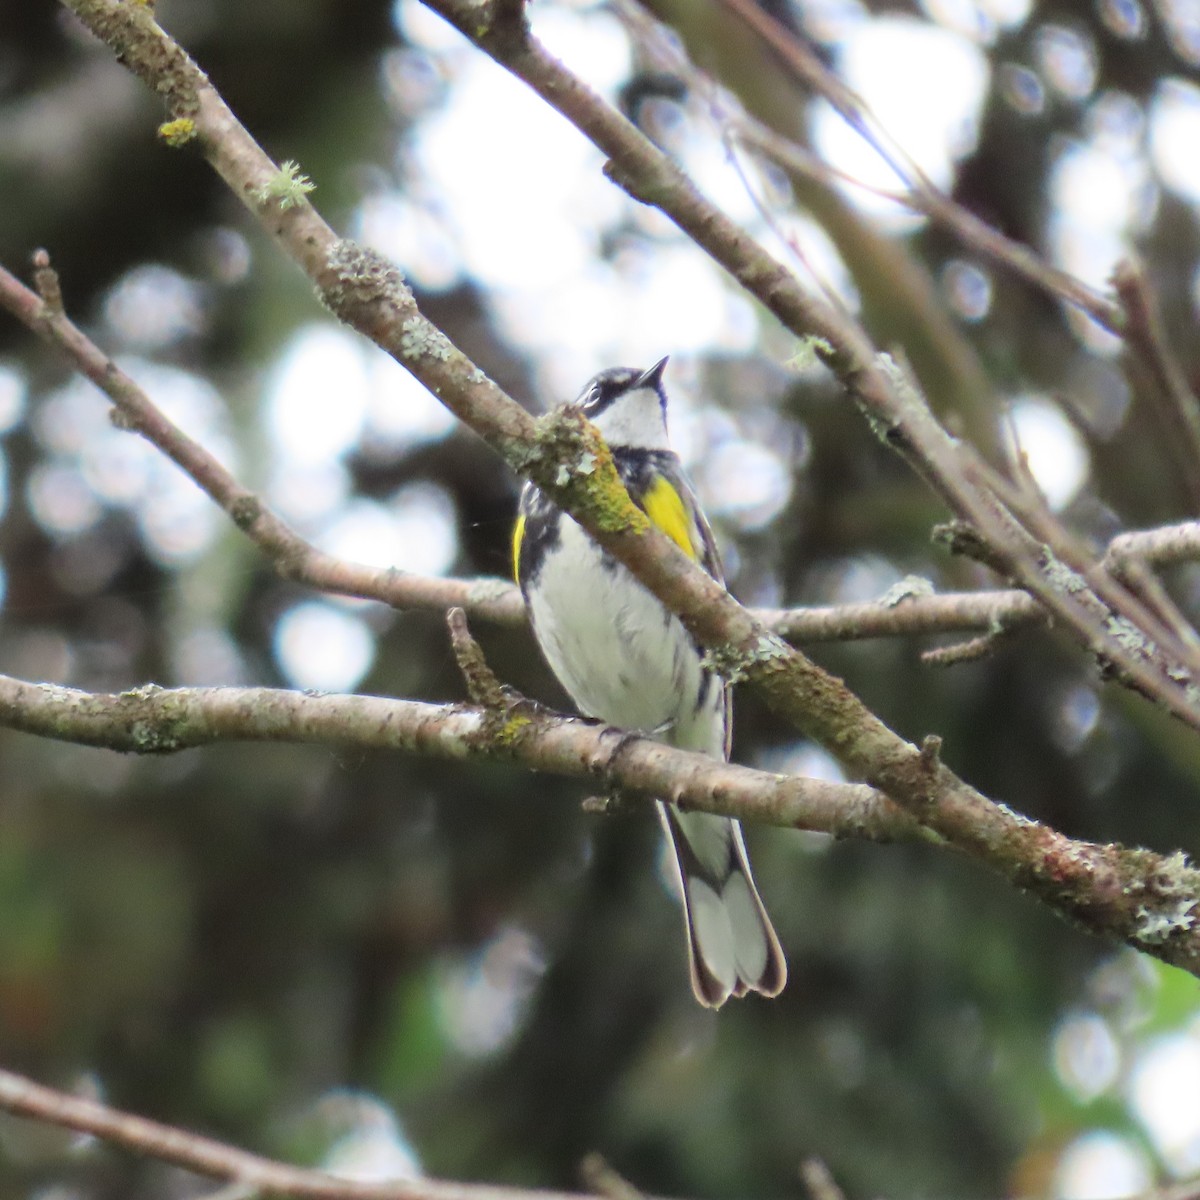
732 947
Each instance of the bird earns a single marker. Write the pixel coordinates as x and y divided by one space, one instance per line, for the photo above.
626 660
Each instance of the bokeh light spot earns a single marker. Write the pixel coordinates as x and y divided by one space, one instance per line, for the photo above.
1100 1165
323 648
1086 1055
1174 136
968 288
1164 1089
153 306
13 392
1053 449
1067 60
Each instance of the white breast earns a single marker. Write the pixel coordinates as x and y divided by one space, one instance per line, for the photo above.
622 657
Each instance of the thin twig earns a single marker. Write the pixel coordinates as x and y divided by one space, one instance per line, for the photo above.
293 557
818 1181
482 685
1107 597
971 650
1171 399
167 1143
1098 612
923 195
599 1177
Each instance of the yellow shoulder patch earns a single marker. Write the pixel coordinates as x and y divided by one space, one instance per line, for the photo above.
666 509
518 535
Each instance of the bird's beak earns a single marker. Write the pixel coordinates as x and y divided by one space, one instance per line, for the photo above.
653 377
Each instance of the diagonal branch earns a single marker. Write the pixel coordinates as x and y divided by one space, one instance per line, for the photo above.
923 195
168 1143
293 557
892 407
24 1097
1169 395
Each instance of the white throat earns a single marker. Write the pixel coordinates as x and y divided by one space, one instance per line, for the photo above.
635 419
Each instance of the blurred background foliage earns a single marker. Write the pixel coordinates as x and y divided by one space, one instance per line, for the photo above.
384 964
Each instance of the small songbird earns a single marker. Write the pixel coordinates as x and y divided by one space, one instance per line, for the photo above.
624 659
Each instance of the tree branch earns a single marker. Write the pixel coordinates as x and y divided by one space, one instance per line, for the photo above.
154 720
1169 395
1132 895
923 195
571 464
293 557
895 410
25 1098
497 600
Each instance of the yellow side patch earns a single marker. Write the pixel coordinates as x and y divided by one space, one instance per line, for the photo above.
666 509
518 535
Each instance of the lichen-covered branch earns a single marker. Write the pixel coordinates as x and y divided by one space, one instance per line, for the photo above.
566 458
1133 895
154 720
893 407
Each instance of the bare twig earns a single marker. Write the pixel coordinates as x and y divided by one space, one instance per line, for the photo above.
923 195
291 555
599 1177
818 1181
1094 608
252 1174
1167 645
46 279
482 685
1172 401
972 650
206 1156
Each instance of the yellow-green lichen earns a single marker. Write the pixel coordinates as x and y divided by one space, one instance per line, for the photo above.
286 188
157 721
511 730
810 350
571 460
178 132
